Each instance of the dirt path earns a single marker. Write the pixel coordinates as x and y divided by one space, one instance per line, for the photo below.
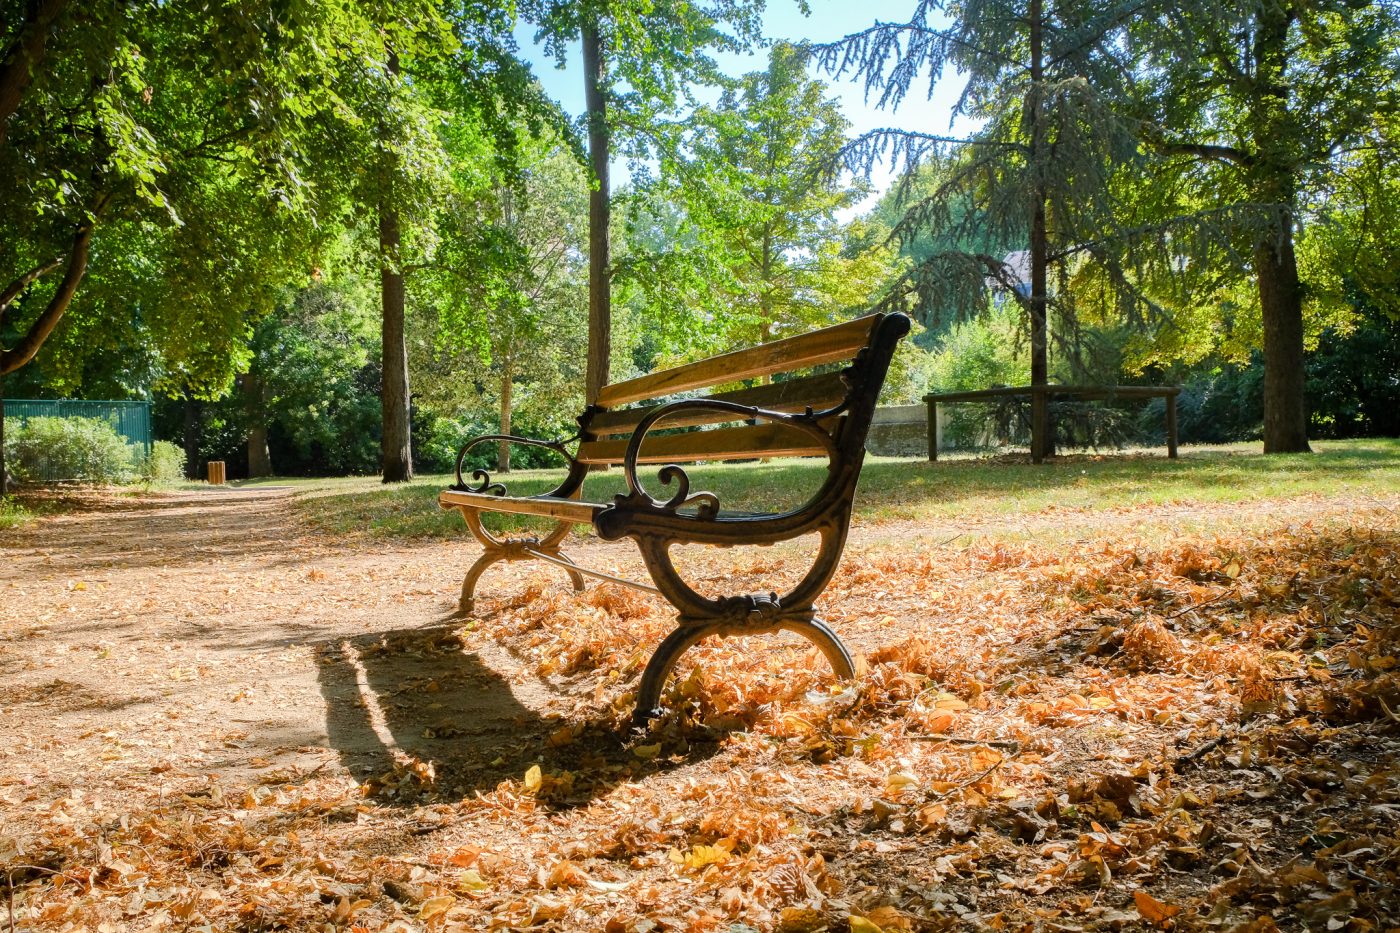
206 633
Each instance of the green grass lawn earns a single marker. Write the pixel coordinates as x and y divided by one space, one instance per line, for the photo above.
892 488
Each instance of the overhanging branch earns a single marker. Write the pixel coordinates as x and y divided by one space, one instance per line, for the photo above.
13 290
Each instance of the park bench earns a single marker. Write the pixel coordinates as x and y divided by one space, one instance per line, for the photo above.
822 414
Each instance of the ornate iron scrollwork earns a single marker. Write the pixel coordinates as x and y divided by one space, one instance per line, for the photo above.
484 482
707 502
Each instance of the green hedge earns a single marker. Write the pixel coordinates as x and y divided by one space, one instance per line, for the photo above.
85 449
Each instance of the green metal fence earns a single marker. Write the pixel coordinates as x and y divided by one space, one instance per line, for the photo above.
131 419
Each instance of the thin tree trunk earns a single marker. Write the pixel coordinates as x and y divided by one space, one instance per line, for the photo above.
28 345
503 451
1041 443
599 211
259 456
4 473
192 422
1281 303
395 450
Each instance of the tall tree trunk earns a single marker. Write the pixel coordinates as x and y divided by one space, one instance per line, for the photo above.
599 212
1275 265
1041 441
259 456
192 424
503 451
1281 303
396 453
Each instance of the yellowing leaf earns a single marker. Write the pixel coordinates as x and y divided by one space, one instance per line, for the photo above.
701 856
862 925
436 906
647 752
534 780
900 781
471 880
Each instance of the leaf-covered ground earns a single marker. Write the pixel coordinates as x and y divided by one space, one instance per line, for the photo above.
1148 716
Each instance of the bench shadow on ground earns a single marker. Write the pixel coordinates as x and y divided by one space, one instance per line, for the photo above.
420 694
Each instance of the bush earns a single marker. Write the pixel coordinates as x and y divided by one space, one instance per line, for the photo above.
87 449
164 464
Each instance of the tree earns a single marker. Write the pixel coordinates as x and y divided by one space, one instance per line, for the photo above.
768 209
639 58
506 286
1046 84
451 71
150 144
1263 109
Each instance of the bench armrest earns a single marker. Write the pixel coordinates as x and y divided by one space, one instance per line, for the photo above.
706 502
483 478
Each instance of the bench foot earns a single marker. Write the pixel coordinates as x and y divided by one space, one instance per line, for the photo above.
659 668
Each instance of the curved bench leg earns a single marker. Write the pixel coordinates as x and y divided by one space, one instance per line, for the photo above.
467 602
663 661
509 549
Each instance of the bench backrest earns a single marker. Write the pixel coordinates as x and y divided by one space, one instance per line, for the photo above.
609 425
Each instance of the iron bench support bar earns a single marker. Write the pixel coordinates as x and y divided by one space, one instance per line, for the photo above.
597 574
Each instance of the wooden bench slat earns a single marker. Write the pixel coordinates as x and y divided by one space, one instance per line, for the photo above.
818 392
567 510
760 440
840 342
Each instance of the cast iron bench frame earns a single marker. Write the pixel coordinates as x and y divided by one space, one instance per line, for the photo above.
817 415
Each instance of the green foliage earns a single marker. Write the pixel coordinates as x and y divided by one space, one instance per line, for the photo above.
1269 121
767 207
165 464
13 515
1052 137
1354 378
1221 402
85 449
501 319
978 354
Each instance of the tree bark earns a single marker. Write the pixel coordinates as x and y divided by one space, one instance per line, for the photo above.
396 453
503 451
24 56
1275 264
599 212
1281 304
4 473
259 456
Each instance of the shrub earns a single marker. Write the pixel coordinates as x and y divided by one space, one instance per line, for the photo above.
87 449
164 464
12 514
